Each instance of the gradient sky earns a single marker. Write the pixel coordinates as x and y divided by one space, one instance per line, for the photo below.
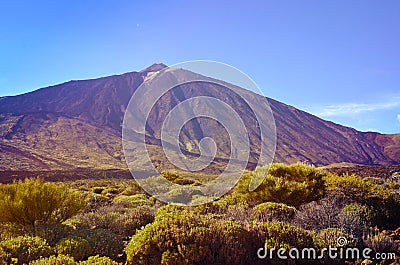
337 59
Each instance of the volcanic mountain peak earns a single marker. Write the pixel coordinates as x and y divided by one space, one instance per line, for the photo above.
154 67
78 124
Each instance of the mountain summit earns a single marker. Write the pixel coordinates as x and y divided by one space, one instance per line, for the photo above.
77 124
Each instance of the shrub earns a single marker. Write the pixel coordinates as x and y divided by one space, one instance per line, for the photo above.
124 222
356 218
379 241
33 202
97 260
170 175
96 201
292 185
102 242
188 237
320 214
85 243
283 235
24 249
133 200
384 198
173 239
357 188
132 190
272 211
329 236
10 230
55 260
53 233
75 246
240 213
110 191
169 208
232 243
97 190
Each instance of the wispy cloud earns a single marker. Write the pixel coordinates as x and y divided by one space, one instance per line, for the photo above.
354 108
398 117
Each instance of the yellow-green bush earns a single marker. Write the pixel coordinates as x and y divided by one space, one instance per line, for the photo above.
102 242
357 188
111 191
172 209
97 190
98 260
24 249
55 260
383 198
32 202
75 246
273 211
289 184
232 243
283 235
121 221
53 233
133 200
329 236
187 237
84 243
356 218
173 239
68 260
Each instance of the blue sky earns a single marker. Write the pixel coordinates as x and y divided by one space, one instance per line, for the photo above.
337 59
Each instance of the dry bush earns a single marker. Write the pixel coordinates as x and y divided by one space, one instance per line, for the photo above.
320 214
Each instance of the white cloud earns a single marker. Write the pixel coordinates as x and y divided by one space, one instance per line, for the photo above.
354 108
398 117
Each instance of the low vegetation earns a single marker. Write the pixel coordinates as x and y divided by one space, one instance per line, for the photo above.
112 221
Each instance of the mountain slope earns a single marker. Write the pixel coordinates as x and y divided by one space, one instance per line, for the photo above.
78 125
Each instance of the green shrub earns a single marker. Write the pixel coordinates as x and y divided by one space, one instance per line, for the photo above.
123 222
187 237
97 260
97 190
100 219
283 235
96 201
232 244
110 191
384 198
31 202
55 260
133 200
53 233
292 185
170 175
102 242
223 203
170 208
172 239
24 249
132 190
272 211
328 237
10 230
357 188
356 218
75 246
